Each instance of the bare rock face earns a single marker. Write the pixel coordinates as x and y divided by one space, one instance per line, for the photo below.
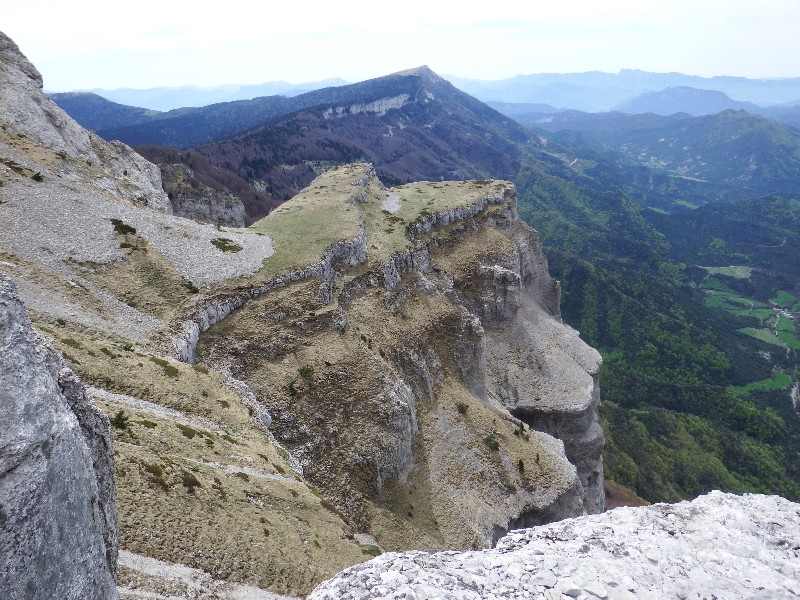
717 546
194 200
58 530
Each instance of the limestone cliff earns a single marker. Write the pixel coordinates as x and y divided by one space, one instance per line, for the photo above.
717 546
58 528
194 200
390 369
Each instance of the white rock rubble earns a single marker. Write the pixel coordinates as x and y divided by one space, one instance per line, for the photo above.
718 546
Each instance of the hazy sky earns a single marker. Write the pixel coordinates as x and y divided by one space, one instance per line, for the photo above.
81 44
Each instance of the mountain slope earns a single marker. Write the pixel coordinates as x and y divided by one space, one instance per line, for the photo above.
411 125
731 155
96 113
365 368
684 99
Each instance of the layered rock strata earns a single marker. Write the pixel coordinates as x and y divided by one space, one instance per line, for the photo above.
717 546
58 530
391 377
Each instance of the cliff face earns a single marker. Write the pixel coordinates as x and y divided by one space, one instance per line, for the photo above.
391 368
194 200
717 546
58 531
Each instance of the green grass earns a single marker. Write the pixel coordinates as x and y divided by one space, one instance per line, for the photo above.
323 214
765 335
712 283
785 299
735 271
226 245
758 313
778 381
305 226
785 324
787 333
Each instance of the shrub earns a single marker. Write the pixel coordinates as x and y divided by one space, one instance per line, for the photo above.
491 441
462 408
226 245
120 420
169 370
186 430
190 482
121 228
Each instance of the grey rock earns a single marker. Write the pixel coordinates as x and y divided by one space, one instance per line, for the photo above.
58 531
194 200
717 546
32 115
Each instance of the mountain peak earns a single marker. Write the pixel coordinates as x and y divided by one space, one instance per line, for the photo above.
11 54
423 71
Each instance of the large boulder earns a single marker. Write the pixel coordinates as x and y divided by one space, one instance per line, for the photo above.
58 529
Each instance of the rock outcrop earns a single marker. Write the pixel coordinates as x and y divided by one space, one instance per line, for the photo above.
194 200
58 530
29 115
717 546
394 368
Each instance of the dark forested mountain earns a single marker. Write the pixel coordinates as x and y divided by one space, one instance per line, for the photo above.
412 125
202 171
96 113
184 128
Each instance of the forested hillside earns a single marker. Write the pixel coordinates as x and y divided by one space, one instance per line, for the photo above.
700 355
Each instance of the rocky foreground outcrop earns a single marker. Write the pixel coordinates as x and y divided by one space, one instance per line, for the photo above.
717 546
58 529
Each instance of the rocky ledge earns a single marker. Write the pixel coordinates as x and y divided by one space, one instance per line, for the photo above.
717 546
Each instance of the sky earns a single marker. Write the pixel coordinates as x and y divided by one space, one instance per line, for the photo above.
86 44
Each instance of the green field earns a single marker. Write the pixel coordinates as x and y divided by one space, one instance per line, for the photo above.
758 313
778 381
785 299
735 271
685 204
765 335
787 332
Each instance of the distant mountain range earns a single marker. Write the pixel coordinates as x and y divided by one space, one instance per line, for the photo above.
738 153
169 98
595 91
